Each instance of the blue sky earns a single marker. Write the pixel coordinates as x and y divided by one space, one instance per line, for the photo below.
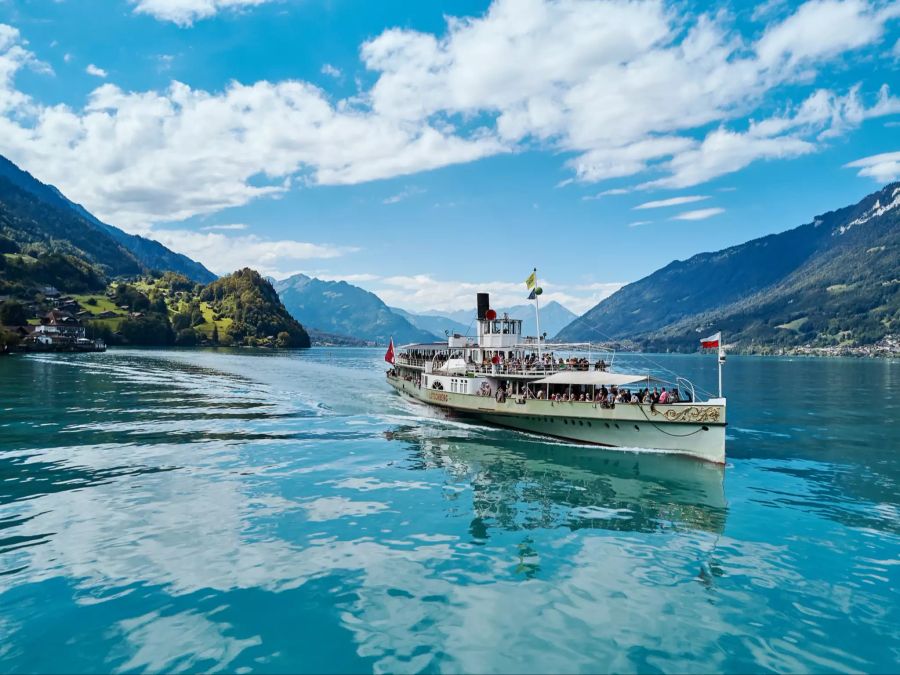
426 150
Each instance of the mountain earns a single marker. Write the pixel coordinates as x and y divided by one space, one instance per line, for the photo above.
554 317
834 281
51 219
341 308
434 324
255 311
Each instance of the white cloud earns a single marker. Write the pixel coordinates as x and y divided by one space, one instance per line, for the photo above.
622 87
820 28
607 193
222 253
422 292
331 71
674 201
637 223
723 152
96 71
699 214
186 12
884 167
227 226
405 193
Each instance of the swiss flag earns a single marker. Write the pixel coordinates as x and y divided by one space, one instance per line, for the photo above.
711 342
389 354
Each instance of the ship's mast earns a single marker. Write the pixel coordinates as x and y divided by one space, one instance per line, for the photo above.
537 314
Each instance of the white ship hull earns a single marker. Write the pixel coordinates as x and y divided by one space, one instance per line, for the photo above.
694 429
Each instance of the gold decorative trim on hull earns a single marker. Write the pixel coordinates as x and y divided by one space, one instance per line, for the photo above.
692 414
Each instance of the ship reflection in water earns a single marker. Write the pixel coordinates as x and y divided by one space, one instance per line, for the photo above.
524 484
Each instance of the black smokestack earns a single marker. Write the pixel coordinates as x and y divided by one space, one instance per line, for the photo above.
484 304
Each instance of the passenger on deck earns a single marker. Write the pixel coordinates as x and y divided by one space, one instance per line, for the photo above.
664 396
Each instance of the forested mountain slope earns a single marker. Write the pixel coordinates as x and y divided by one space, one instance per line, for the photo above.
832 281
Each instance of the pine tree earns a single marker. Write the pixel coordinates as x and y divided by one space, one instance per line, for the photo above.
215 334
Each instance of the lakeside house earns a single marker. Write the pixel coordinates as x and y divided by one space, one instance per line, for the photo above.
59 330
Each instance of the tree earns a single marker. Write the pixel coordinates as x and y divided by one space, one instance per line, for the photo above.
215 334
153 330
186 338
8 246
181 321
7 340
12 314
284 340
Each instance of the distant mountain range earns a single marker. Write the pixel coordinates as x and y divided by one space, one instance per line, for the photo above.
342 309
433 323
32 212
834 281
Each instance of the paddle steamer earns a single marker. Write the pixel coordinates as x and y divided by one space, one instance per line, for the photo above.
504 378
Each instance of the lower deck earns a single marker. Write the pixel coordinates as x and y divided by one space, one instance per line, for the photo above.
696 429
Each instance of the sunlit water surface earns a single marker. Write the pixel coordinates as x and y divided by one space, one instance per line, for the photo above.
262 511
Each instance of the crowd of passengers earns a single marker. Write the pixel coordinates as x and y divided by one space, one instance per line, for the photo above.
530 362
608 397
393 372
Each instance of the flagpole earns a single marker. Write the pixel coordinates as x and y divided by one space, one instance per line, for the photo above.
537 314
721 362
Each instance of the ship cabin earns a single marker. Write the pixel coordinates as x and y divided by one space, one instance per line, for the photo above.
474 365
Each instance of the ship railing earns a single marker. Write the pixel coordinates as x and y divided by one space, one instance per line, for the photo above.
541 370
411 361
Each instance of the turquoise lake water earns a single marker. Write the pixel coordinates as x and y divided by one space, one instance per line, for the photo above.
287 512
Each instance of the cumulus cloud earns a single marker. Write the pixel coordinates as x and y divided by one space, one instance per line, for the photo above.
423 292
96 71
884 167
623 87
222 253
186 12
699 214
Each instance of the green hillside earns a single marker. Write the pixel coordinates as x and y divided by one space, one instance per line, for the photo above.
254 309
39 217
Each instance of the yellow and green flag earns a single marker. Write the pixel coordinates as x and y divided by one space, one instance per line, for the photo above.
531 281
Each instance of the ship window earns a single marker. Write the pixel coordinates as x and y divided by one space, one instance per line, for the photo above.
636 427
607 424
705 428
580 423
617 426
589 424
